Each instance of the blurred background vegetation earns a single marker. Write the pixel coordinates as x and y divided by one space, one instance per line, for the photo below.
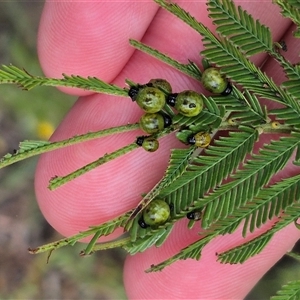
34 115
31 115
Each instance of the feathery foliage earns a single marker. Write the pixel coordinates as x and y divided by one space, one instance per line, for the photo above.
290 291
290 9
228 182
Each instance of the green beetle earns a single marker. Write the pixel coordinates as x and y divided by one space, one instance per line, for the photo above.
200 139
154 122
161 84
156 213
188 103
148 98
215 82
149 143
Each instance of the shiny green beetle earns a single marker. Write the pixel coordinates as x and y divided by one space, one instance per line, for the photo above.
200 139
188 103
156 213
148 98
154 122
215 82
149 143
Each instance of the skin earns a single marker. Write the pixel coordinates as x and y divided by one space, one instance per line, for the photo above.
91 38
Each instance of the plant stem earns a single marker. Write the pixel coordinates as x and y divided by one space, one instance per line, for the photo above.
50 146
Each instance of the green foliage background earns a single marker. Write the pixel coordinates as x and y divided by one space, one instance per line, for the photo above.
67 276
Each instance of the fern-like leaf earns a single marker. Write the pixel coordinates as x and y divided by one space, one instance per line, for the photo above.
290 291
292 85
31 148
232 62
189 69
238 254
178 163
269 203
207 171
157 237
58 181
290 9
243 252
247 182
229 225
12 74
245 32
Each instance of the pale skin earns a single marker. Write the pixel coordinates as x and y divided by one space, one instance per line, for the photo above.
91 38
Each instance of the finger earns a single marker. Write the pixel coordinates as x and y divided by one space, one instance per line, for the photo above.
116 187
206 278
105 192
234 282
77 206
90 38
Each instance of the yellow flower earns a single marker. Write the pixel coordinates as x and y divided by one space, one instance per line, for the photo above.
44 130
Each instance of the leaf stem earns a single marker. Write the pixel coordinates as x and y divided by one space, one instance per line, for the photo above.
58 181
26 150
99 230
105 246
190 69
14 75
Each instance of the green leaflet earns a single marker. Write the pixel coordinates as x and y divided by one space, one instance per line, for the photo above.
96 231
31 148
269 202
189 69
178 163
247 182
293 82
30 144
287 114
208 171
156 238
191 251
290 9
12 74
243 252
290 291
245 32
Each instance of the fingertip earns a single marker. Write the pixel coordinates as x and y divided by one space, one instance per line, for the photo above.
90 38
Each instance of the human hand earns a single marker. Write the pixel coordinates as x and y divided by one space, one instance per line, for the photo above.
91 39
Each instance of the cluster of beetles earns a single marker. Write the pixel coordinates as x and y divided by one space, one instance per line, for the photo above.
152 98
